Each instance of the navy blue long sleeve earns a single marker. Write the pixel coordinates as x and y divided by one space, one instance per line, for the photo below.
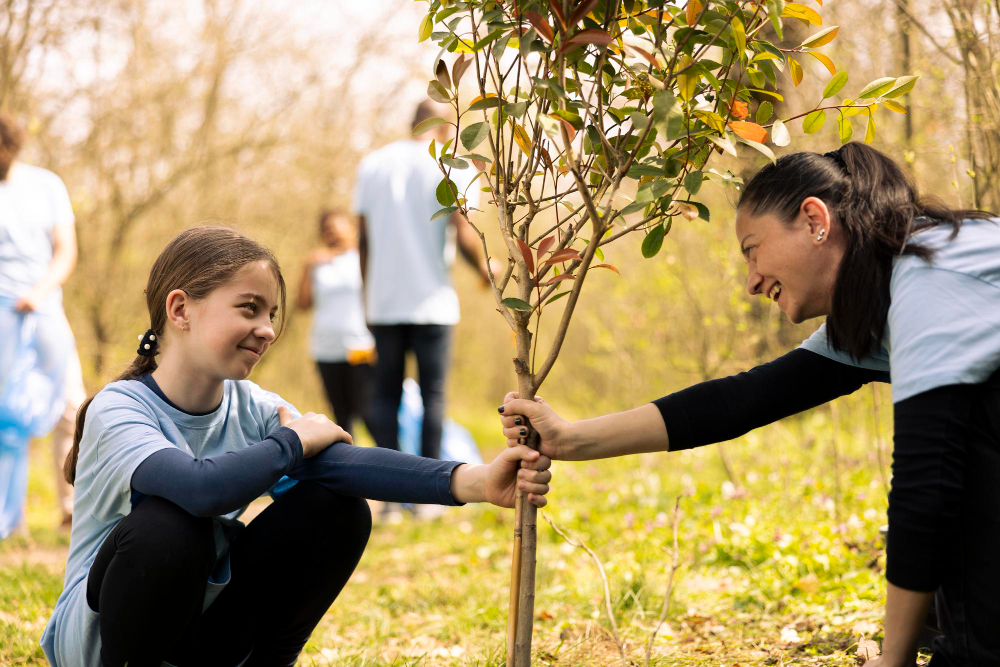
221 484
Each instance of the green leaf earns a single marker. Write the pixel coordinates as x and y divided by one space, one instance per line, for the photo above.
821 38
836 83
445 193
740 34
557 296
426 27
693 181
432 149
425 125
570 117
904 84
446 211
484 103
767 152
774 9
437 92
652 191
515 109
814 121
877 87
653 241
517 304
454 163
474 134
779 134
844 129
764 111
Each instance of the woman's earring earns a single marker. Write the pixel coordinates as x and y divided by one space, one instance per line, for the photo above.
822 233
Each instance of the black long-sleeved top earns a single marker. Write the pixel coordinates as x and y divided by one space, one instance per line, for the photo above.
931 435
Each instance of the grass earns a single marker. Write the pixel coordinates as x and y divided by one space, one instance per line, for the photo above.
783 568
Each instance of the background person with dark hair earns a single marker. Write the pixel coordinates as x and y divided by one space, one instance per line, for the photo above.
37 255
339 341
911 291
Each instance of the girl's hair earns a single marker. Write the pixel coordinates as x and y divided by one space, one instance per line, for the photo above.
878 209
197 261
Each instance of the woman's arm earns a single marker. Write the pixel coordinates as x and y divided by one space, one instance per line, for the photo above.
708 412
305 299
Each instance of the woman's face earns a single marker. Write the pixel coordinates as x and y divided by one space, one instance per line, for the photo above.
793 264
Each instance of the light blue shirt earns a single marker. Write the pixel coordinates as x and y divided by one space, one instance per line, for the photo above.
943 326
126 423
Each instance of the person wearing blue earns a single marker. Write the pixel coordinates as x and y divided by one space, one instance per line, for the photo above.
339 340
37 255
911 293
166 458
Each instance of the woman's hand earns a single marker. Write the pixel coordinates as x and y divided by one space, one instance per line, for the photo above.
552 429
518 467
316 432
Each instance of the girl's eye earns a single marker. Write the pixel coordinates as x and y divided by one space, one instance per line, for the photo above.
251 307
273 315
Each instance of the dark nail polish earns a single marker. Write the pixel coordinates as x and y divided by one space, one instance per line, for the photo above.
500 409
518 421
524 431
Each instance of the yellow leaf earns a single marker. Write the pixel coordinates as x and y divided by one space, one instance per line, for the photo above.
821 38
692 11
870 132
522 139
825 59
687 83
893 105
797 10
796 69
749 131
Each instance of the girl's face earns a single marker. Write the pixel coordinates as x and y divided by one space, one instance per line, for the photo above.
232 328
336 230
793 264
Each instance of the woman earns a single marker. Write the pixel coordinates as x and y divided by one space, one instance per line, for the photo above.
911 291
340 343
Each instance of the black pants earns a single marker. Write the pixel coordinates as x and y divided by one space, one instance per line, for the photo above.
349 390
288 566
968 599
431 344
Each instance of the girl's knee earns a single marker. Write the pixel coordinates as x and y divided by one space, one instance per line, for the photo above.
164 531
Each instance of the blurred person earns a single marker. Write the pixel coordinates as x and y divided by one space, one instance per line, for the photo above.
339 341
911 291
37 254
406 261
168 456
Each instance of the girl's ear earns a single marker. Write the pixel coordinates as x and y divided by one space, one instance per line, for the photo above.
178 305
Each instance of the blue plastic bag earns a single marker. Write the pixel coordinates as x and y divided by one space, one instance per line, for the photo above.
456 442
33 355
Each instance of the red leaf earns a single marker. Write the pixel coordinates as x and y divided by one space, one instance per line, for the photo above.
644 53
526 254
563 255
582 10
558 12
570 130
544 246
458 69
605 266
559 278
749 131
541 25
591 36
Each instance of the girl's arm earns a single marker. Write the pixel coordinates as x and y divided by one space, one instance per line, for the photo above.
706 413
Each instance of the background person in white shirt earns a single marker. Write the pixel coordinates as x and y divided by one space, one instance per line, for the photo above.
37 255
406 263
339 341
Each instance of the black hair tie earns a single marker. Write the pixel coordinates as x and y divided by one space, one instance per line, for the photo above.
147 344
837 157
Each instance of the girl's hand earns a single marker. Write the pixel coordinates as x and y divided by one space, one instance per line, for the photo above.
518 467
316 432
553 430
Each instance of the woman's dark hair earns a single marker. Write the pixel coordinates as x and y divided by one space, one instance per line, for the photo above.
197 261
878 209
329 213
11 140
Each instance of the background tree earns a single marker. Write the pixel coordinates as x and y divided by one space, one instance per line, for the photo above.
599 118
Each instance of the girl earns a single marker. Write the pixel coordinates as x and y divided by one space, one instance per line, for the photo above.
911 291
339 341
167 457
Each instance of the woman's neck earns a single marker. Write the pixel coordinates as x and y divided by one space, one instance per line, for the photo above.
186 388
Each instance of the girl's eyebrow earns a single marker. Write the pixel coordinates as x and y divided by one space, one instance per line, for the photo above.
256 297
